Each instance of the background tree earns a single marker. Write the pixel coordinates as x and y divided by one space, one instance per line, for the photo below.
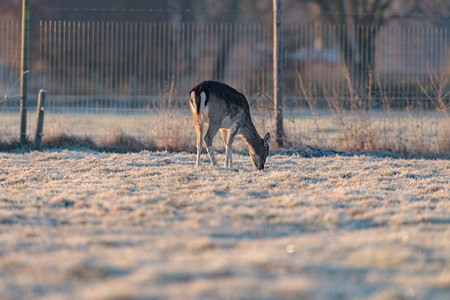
365 16
227 41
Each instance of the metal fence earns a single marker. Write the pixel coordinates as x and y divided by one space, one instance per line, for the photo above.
126 69
124 65
9 78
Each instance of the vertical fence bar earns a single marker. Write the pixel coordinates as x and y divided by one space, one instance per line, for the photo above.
76 104
126 59
83 67
141 61
95 63
164 55
107 71
386 76
244 64
119 78
158 75
24 70
144 60
171 46
137 60
178 54
248 68
188 53
59 76
42 46
114 61
64 67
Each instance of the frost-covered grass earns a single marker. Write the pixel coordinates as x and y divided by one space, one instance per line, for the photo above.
89 225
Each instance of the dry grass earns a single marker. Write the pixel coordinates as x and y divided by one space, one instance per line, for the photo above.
362 125
169 124
8 145
116 141
326 123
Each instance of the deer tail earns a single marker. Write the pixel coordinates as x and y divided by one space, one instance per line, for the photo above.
194 102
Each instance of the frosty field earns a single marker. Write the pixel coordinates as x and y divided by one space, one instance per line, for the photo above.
89 225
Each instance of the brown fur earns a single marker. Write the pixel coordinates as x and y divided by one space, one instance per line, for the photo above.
227 110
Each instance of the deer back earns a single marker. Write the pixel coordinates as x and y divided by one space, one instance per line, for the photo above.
216 100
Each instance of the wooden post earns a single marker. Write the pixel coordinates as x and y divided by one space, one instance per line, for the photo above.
24 70
278 70
39 119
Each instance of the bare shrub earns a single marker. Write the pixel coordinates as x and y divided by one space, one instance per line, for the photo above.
352 117
262 114
66 141
170 125
412 130
438 96
310 95
118 141
8 145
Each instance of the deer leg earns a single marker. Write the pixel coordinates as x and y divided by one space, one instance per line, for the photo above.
199 131
209 137
229 147
224 132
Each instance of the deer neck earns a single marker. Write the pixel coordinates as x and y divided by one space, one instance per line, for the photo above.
252 138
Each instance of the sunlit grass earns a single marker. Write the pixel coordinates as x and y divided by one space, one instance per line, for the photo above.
420 132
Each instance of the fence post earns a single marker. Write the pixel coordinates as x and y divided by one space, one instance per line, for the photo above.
278 70
24 70
40 119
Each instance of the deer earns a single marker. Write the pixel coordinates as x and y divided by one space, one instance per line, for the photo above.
223 108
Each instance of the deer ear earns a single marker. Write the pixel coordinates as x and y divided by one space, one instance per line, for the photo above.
267 139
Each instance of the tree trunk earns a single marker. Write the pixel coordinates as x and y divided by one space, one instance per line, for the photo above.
224 51
359 56
226 42
366 48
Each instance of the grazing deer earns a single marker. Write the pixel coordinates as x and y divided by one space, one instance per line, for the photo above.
222 107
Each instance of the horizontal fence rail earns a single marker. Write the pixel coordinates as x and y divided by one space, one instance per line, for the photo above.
132 69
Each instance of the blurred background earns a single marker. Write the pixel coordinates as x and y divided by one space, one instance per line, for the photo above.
358 74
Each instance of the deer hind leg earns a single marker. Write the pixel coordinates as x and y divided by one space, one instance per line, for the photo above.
209 137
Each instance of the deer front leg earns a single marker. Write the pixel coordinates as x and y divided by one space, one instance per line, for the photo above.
228 137
199 131
224 133
209 137
229 146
